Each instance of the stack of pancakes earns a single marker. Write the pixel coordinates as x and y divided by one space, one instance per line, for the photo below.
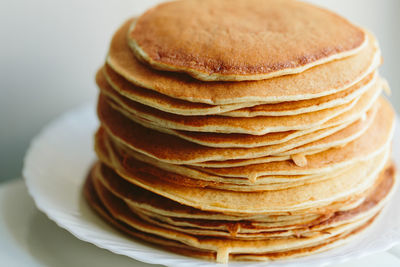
242 129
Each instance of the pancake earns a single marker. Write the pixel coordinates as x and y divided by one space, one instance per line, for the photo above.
222 140
119 210
319 81
123 88
164 147
248 229
189 177
246 140
235 40
367 145
253 125
323 162
162 102
306 145
305 106
225 228
102 190
95 203
146 201
181 177
138 198
186 176
256 234
309 196
180 248
179 173
338 138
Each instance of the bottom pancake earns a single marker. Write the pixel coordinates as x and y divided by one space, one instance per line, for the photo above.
245 226
116 211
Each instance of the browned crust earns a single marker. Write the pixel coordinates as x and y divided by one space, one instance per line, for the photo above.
240 37
96 203
376 194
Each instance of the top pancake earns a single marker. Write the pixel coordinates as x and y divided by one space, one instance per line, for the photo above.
319 81
236 40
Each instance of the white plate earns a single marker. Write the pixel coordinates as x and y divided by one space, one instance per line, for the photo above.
57 163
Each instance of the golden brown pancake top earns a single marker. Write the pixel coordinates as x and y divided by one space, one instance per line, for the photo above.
321 80
241 39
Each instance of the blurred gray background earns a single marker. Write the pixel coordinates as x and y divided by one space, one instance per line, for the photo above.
51 49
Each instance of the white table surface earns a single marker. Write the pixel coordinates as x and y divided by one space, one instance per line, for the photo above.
29 238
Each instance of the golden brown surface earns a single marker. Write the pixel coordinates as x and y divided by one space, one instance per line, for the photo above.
346 184
120 87
259 125
321 80
241 39
168 148
111 203
163 102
